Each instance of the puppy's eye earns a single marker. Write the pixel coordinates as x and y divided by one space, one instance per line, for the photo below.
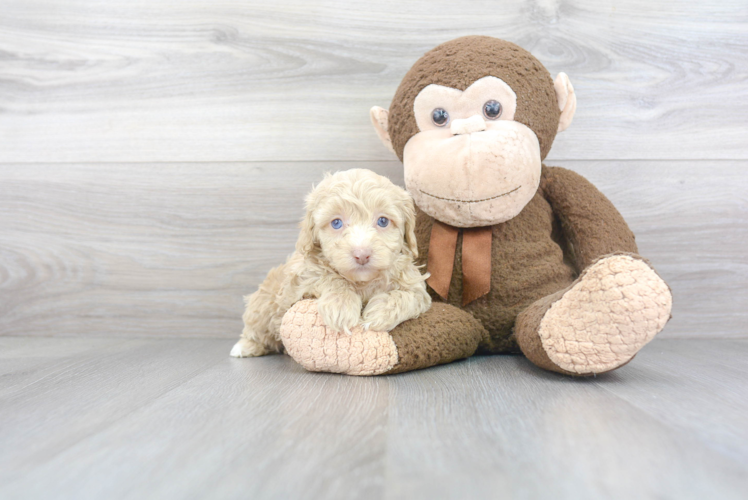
383 222
440 117
492 109
336 223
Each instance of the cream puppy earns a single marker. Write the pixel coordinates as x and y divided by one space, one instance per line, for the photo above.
355 254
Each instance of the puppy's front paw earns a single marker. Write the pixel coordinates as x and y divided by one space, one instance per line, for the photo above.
380 315
341 312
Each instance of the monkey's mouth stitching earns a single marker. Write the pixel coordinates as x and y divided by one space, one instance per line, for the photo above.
471 201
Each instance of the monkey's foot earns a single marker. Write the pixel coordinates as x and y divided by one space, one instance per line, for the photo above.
600 322
318 348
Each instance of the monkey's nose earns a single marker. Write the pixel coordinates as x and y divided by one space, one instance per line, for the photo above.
475 123
361 255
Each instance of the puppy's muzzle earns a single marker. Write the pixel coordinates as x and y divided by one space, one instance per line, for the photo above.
361 255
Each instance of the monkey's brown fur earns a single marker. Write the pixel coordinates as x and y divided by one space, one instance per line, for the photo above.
567 287
536 255
528 260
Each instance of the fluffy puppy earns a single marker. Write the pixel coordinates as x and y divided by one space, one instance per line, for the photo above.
355 254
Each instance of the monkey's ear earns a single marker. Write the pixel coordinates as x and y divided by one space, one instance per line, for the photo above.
379 118
567 100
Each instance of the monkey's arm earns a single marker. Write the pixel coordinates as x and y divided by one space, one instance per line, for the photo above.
590 223
442 334
627 301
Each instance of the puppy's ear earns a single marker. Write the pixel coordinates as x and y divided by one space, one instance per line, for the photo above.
409 214
307 241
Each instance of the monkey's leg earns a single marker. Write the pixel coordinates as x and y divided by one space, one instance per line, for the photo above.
599 322
440 335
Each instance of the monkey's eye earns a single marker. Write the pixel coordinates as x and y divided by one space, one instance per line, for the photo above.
492 109
336 223
383 222
440 117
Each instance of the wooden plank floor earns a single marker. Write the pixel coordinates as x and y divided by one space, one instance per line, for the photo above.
169 418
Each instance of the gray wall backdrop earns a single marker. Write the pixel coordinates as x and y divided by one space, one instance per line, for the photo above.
154 154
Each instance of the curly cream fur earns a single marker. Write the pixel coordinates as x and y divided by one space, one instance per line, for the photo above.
380 294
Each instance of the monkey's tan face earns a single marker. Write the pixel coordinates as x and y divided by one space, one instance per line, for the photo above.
471 164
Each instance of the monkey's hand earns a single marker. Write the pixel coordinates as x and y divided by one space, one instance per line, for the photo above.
341 310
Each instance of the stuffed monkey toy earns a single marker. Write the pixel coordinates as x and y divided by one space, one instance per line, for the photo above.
522 257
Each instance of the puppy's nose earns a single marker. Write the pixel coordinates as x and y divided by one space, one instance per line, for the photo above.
475 123
361 255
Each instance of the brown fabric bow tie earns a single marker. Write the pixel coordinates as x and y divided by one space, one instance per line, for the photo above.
476 260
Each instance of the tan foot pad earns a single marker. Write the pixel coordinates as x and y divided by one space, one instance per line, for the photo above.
618 305
320 349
